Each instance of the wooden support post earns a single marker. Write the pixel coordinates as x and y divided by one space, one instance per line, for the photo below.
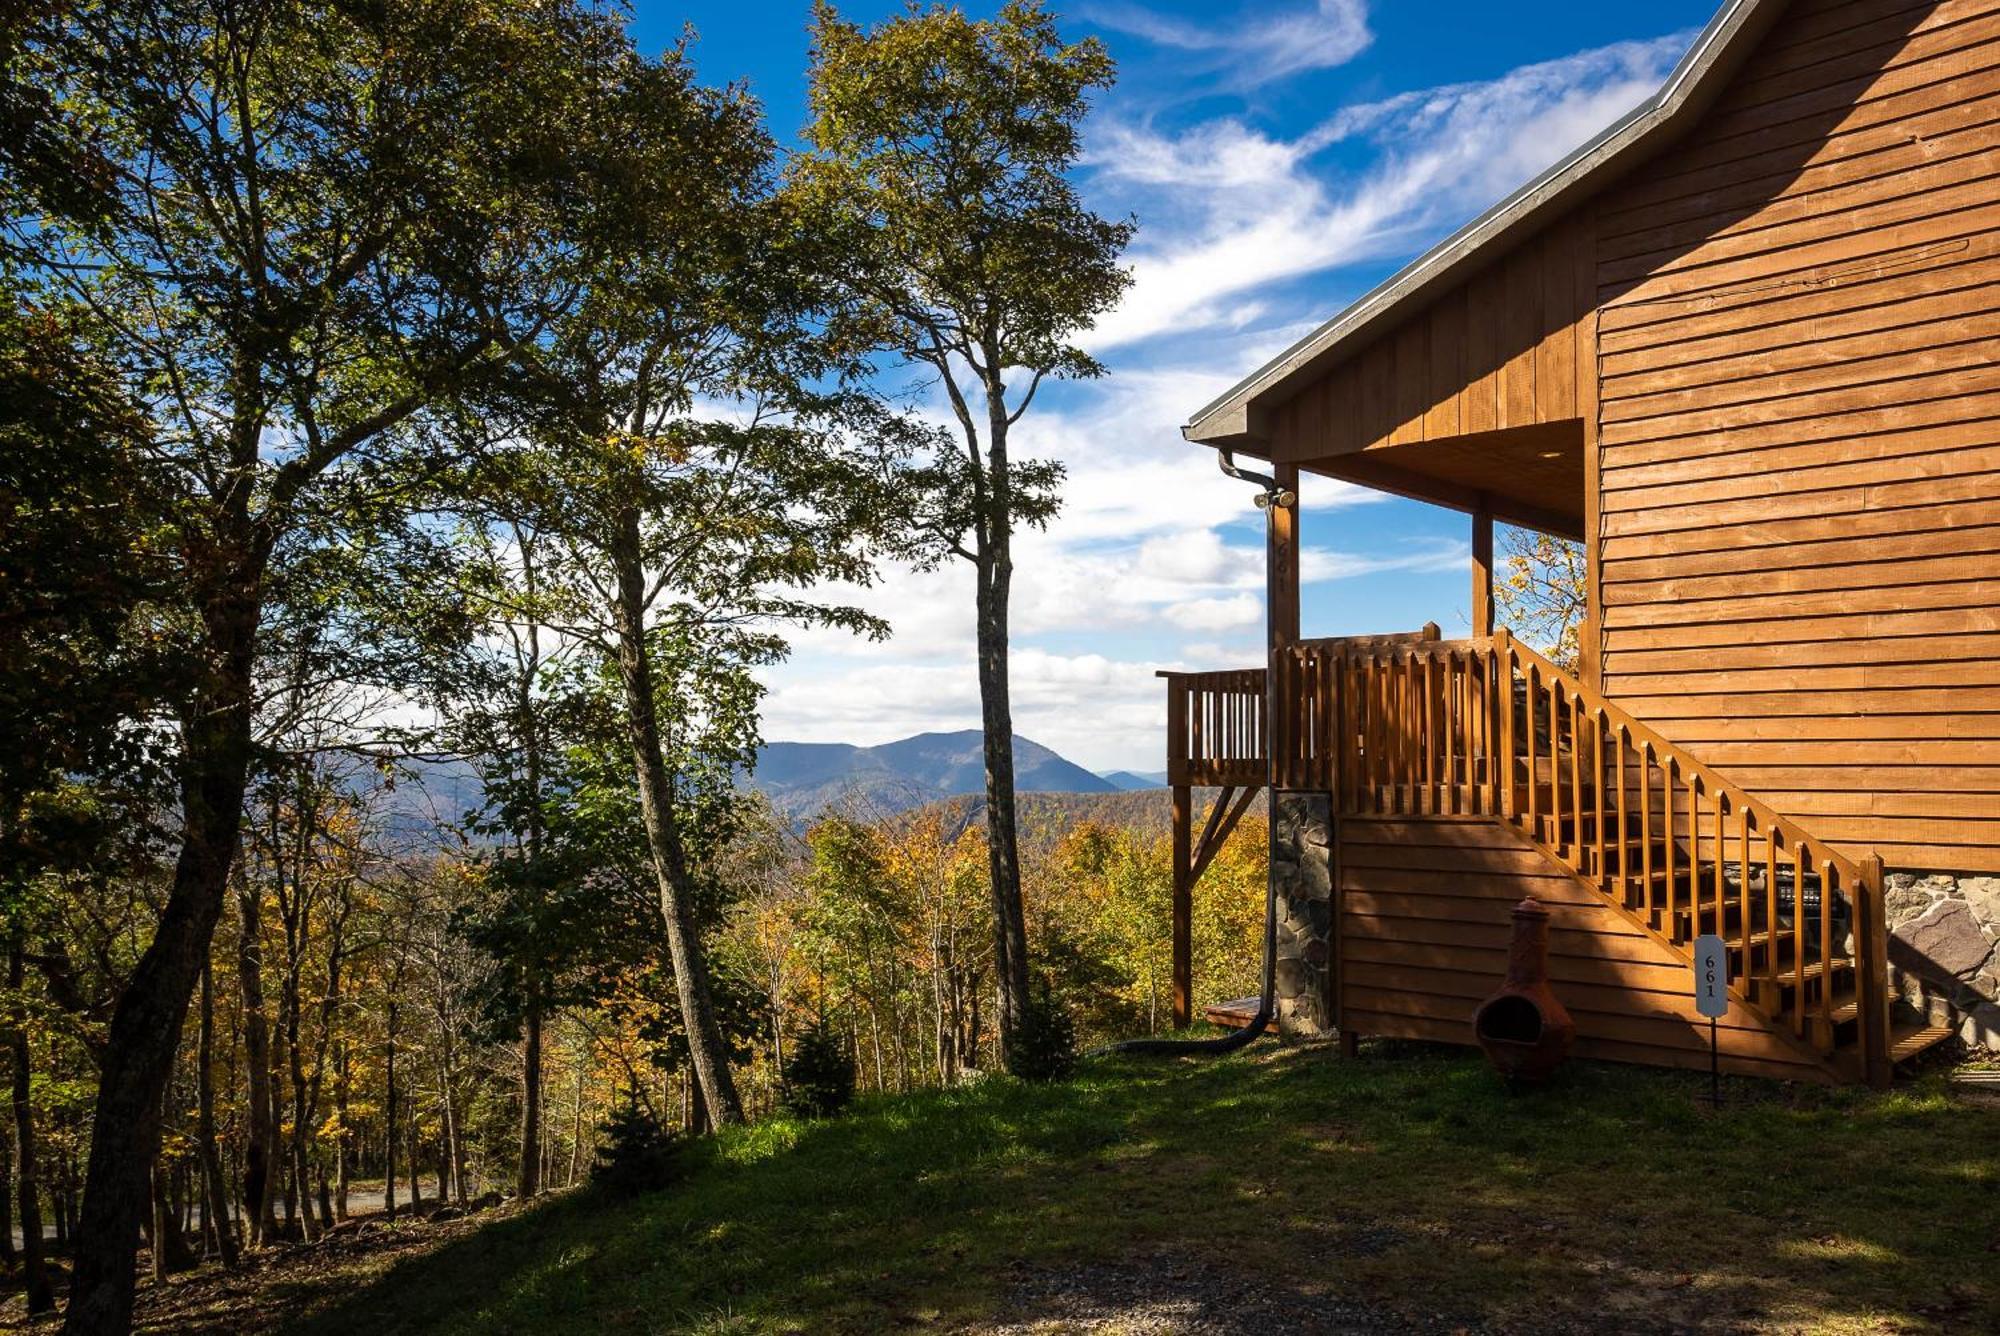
1871 983
1281 617
1482 569
1183 910
1282 560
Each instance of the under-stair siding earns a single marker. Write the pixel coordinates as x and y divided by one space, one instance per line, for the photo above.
1423 936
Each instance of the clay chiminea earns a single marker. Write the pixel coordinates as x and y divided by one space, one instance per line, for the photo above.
1525 1031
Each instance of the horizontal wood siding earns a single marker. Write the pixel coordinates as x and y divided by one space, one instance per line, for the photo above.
1799 479
1424 931
1499 352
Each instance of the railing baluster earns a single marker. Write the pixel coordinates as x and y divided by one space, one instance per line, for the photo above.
1451 717
1667 851
1534 798
1600 874
1646 826
1743 897
1770 972
1826 947
1799 938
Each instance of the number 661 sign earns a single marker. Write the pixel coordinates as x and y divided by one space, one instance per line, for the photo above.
1711 976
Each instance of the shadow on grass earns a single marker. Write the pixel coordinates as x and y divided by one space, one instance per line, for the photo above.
1613 1196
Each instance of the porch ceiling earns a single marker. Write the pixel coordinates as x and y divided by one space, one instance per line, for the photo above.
1530 476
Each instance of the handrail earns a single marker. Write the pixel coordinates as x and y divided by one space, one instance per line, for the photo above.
1414 725
1860 881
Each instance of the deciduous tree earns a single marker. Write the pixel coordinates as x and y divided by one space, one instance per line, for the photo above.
942 145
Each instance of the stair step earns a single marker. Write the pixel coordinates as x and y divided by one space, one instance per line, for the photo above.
1907 1041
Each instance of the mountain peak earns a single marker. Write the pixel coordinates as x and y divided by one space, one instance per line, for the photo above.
801 778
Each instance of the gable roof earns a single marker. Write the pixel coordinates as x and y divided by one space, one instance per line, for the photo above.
1236 417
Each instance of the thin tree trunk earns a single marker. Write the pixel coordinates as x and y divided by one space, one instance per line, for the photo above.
215 1200
416 1173
342 1150
34 1273
531 1101
389 1115
8 1254
576 1128
170 1248
259 1184
706 1047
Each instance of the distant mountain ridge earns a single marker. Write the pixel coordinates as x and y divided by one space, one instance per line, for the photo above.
803 778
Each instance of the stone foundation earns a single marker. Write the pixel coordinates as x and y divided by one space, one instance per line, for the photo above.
1302 870
1944 950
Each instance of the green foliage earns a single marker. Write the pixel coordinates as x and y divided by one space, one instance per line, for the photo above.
635 1153
819 1072
1043 1047
93 655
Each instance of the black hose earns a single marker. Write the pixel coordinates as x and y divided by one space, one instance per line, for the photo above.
1267 1001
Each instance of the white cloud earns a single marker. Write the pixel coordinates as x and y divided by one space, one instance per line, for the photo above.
1254 46
1227 209
1216 614
1155 561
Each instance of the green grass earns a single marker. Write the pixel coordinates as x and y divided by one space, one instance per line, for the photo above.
1406 1180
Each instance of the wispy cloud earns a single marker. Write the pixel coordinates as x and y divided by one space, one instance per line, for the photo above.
1155 561
1230 210
1257 45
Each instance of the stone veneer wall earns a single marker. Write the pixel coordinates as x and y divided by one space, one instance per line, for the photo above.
1302 868
1944 946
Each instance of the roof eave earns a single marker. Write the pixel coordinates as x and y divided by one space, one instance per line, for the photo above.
1241 415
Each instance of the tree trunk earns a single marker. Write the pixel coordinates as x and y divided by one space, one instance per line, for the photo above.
344 1143
146 1023
1010 934
417 1173
214 1200
170 1246
8 1254
389 1117
260 1136
708 1051
531 1102
34 1274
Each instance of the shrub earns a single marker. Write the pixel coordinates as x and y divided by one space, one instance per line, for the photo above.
819 1073
635 1154
1044 1047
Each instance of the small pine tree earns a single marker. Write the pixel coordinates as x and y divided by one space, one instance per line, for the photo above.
636 1154
1044 1047
819 1074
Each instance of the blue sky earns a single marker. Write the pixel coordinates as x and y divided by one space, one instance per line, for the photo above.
1281 158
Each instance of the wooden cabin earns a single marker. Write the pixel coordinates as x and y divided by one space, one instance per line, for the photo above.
1745 348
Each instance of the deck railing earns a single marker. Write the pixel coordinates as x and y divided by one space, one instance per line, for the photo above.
1414 725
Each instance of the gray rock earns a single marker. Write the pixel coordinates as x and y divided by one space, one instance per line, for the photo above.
1947 938
1983 894
1905 902
1981 1028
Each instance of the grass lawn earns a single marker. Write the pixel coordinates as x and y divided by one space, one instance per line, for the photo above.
1282 1190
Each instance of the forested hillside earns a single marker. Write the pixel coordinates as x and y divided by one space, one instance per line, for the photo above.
420 425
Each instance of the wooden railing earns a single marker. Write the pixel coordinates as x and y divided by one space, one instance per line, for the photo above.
1414 725
1215 728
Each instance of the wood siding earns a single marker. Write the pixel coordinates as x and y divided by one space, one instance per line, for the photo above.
1498 353
1798 561
1424 928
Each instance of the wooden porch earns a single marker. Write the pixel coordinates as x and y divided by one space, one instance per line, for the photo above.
1464 774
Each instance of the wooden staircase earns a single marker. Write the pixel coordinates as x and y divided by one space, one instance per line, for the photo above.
1490 728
